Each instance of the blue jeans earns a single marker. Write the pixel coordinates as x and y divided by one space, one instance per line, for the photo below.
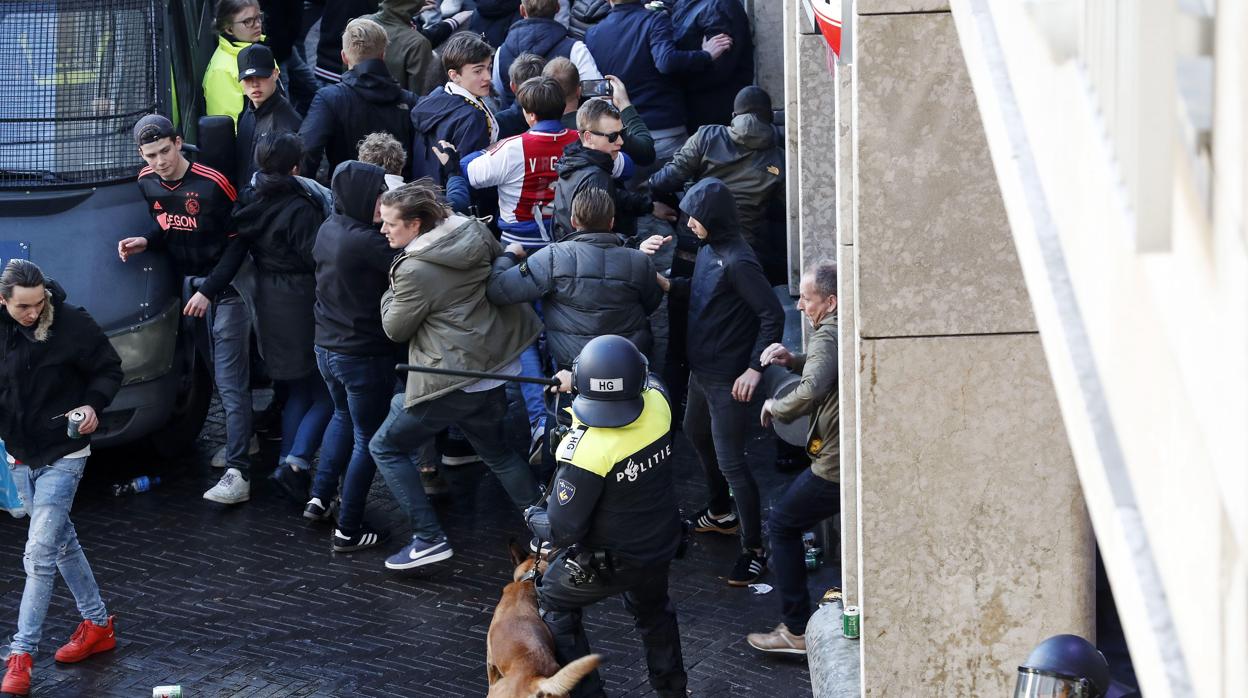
307 412
716 425
51 545
229 325
360 388
480 417
808 500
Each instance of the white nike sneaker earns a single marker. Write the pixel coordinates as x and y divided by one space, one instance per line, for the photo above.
232 489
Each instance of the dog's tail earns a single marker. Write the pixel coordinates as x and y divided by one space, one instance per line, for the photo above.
562 683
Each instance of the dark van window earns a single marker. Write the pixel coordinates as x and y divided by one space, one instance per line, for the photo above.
77 75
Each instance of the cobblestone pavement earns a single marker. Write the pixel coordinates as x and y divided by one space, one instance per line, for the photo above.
249 600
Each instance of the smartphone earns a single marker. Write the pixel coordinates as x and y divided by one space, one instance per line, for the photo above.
596 88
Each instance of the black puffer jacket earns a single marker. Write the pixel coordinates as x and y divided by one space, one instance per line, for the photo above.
353 266
590 284
581 168
367 100
62 362
280 223
585 14
733 313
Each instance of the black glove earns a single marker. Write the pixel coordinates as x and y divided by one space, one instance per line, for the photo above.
451 166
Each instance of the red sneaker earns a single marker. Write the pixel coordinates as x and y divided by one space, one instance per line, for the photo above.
17 678
87 640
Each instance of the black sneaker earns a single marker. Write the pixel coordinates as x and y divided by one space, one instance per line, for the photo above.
366 538
706 523
750 566
317 511
292 482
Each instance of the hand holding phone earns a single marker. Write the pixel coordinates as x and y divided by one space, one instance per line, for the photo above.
596 88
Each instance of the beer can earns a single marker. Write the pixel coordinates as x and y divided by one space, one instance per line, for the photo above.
76 418
813 557
167 692
850 622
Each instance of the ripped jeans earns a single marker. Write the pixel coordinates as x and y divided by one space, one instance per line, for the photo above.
52 544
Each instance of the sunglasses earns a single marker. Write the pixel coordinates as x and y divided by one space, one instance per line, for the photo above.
611 137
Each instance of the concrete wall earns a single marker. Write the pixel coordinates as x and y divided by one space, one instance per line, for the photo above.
974 543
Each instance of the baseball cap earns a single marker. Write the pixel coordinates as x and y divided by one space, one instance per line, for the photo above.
255 61
152 128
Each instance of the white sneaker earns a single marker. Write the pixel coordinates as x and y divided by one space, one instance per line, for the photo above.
218 458
232 489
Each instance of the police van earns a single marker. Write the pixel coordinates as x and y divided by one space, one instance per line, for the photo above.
75 75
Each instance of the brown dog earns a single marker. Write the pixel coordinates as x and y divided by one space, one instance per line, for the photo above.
519 650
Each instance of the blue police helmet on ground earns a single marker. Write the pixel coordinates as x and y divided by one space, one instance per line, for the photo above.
1063 665
608 377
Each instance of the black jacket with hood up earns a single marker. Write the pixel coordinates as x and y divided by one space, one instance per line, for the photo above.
367 100
353 266
62 362
733 313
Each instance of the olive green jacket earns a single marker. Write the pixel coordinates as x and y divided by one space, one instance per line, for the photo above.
437 304
818 395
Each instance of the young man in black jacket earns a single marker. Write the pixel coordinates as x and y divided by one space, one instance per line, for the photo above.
366 101
265 110
55 365
733 316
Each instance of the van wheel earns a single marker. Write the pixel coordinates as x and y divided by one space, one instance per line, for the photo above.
177 437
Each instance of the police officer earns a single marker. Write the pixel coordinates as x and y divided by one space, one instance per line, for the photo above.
1063 666
612 512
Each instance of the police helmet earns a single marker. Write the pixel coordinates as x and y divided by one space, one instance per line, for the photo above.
1063 665
608 377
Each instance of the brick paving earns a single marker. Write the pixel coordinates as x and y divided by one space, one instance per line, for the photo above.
249 600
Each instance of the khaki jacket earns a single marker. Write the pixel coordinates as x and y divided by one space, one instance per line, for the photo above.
436 303
818 394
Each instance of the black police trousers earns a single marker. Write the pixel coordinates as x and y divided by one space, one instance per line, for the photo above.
645 596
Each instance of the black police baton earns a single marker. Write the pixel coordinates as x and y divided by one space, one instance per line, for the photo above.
483 375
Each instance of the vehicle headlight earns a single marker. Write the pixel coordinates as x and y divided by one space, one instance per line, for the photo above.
146 349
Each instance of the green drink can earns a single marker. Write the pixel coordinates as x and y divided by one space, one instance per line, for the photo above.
850 622
167 692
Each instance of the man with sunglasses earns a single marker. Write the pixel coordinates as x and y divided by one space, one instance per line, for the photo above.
594 162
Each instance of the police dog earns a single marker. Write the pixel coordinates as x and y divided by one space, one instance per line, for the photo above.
519 650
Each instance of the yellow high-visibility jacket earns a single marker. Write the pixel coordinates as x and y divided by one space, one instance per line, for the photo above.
223 93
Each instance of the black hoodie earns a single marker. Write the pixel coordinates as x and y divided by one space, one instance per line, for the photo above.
733 313
353 266
62 362
367 100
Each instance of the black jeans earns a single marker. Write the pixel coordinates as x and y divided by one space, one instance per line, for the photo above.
808 500
716 424
645 596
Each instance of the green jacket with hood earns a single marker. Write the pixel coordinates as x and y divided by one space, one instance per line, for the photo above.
437 304
409 56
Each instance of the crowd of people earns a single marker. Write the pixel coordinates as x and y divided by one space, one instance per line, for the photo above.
501 187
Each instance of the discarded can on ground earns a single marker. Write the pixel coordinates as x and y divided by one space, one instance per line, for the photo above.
814 556
138 484
167 692
76 418
850 622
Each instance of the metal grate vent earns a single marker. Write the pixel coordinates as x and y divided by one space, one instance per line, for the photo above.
77 75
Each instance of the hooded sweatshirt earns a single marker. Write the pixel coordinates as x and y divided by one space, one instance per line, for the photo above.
437 304
61 362
352 258
367 100
733 313
744 156
546 38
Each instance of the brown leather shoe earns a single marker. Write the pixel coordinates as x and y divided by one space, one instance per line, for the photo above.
17 678
87 640
778 641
